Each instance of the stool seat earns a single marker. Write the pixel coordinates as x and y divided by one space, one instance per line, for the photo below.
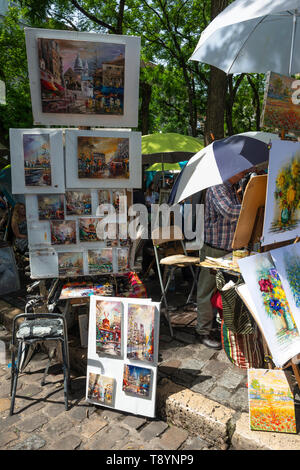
40 328
181 260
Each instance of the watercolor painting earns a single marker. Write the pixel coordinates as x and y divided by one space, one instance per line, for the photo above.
279 111
37 160
137 381
100 261
51 207
140 340
108 327
271 402
282 213
70 264
81 77
78 203
90 229
101 389
276 317
63 232
103 157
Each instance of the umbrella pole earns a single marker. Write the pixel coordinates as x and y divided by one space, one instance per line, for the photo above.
293 41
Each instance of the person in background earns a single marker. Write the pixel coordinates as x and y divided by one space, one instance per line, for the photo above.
151 196
19 227
221 212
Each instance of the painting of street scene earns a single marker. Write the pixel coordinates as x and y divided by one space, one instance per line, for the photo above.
271 402
88 231
100 261
63 232
123 260
137 381
37 161
103 157
78 203
140 343
119 200
108 327
51 207
103 196
81 77
101 389
279 111
70 264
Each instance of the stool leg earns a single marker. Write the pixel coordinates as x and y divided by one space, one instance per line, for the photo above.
51 355
66 375
15 379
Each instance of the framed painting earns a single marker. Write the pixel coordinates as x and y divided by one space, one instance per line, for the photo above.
135 381
9 276
282 213
103 159
37 161
140 344
83 79
279 324
51 207
271 401
280 111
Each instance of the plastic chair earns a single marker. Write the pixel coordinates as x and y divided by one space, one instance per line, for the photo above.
161 236
38 327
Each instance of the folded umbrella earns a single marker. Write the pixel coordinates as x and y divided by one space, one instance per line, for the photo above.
221 160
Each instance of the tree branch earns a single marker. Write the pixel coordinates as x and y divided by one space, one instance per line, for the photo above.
93 17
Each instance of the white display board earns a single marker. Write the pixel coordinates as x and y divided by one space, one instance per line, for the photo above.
112 367
83 79
97 145
37 161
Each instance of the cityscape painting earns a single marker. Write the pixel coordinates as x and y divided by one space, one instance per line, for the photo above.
51 207
70 264
103 157
140 342
137 381
89 230
101 389
81 77
100 261
108 327
78 202
37 161
63 232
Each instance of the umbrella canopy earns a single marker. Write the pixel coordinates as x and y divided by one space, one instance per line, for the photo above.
219 161
168 167
169 147
253 37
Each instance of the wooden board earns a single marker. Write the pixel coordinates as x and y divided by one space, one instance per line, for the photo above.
254 199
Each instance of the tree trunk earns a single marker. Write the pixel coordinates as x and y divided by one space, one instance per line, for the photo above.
215 112
146 91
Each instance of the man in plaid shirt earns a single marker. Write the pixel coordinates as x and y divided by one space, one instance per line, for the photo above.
222 209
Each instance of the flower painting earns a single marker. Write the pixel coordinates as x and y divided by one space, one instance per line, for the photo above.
271 402
279 321
282 212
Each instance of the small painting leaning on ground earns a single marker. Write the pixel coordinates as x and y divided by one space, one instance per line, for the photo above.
101 389
282 215
140 341
103 157
37 159
81 77
108 327
271 402
280 110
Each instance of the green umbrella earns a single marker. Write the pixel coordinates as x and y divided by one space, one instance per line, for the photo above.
169 148
171 167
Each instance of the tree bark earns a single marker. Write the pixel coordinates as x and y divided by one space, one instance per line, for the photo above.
217 87
146 91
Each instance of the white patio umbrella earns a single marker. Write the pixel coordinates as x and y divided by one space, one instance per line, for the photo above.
253 36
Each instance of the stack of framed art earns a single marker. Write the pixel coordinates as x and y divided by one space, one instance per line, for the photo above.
78 183
123 354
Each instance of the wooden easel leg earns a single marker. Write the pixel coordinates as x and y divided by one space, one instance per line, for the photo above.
296 372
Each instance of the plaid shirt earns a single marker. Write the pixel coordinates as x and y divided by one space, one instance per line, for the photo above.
222 209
